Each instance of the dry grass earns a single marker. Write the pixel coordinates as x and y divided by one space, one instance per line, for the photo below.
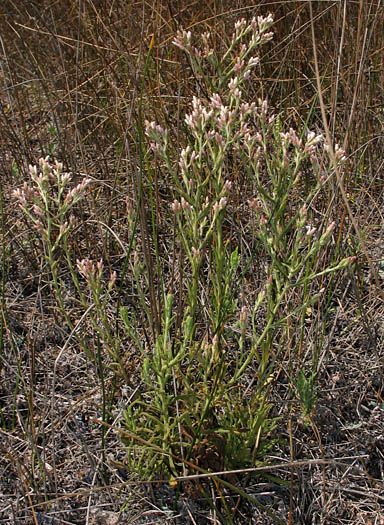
71 84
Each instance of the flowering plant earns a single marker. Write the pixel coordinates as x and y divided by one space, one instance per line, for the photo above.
194 376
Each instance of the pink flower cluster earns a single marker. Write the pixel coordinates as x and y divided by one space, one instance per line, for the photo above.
43 198
93 272
157 135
